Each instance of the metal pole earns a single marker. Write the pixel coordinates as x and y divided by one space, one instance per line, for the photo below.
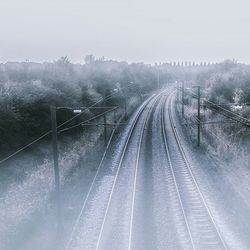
105 129
105 118
158 77
114 116
140 96
199 117
56 170
178 93
182 99
125 108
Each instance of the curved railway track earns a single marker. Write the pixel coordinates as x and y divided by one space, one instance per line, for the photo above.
120 215
148 104
201 227
116 239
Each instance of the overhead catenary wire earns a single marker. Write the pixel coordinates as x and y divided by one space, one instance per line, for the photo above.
189 167
207 129
90 189
128 138
194 95
80 108
245 120
86 121
44 135
59 126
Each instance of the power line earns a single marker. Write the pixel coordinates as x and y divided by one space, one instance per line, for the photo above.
84 122
245 121
207 129
90 189
83 111
61 125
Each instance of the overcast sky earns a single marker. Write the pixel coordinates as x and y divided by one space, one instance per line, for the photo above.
132 30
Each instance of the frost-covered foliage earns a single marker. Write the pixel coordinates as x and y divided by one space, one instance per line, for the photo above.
28 89
227 82
27 182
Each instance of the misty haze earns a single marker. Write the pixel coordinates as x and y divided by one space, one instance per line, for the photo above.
124 125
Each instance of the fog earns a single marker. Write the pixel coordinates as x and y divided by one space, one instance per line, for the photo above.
157 156
148 31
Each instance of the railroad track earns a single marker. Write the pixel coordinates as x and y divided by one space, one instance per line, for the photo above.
188 214
111 240
202 231
108 202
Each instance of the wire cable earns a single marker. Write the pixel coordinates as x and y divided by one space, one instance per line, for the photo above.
90 189
84 122
245 120
61 125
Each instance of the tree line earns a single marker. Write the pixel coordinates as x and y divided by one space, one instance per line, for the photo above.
27 89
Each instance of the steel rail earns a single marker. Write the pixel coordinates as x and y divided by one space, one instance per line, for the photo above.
188 165
173 174
142 108
142 132
90 189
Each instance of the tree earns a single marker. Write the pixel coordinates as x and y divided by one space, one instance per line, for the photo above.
64 60
89 59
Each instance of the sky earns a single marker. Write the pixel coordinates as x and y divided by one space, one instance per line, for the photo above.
126 30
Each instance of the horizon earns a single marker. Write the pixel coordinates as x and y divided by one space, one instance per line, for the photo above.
172 63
